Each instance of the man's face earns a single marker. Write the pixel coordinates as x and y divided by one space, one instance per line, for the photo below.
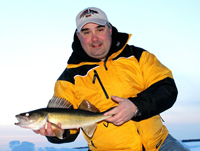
95 40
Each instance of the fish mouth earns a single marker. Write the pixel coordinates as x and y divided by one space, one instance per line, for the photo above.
22 120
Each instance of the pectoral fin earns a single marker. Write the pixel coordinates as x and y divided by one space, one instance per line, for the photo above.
89 130
57 131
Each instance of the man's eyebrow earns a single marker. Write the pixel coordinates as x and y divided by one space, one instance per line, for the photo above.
100 26
84 29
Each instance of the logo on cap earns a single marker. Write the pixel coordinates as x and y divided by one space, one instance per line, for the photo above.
88 13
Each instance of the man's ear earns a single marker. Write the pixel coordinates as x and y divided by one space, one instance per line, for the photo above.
111 30
77 34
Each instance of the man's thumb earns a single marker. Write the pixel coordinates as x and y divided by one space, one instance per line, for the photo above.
116 98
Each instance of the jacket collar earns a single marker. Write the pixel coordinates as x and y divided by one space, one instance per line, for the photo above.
78 56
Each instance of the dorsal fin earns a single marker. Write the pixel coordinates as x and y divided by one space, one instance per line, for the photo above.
85 105
57 102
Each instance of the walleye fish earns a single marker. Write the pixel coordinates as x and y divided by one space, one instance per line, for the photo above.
59 111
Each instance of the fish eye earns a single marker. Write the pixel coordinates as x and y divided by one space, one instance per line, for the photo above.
27 114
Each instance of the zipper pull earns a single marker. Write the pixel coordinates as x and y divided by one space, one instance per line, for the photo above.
94 78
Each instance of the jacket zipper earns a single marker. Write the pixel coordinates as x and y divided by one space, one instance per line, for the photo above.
105 63
97 76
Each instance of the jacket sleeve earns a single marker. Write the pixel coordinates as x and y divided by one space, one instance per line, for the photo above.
160 91
67 138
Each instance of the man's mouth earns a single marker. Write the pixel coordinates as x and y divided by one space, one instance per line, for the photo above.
96 45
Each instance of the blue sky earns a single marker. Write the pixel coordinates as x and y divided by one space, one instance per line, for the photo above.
35 44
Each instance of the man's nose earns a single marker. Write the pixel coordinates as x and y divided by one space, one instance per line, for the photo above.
94 37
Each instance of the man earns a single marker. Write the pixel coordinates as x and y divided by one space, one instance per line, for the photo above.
104 70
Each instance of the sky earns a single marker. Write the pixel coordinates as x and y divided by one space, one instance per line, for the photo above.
35 44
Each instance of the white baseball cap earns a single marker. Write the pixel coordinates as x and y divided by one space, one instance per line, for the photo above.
88 15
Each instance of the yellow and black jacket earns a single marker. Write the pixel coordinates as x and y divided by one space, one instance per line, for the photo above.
128 72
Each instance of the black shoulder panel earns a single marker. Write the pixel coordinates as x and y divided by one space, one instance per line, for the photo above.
69 74
131 51
137 52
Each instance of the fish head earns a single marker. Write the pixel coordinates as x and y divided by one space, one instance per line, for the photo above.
33 120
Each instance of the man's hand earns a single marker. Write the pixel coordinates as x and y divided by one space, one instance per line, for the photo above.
122 113
48 131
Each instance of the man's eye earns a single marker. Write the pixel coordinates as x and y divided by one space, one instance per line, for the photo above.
86 32
101 29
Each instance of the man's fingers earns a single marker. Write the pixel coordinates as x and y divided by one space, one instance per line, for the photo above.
122 113
116 119
59 125
37 132
112 112
49 129
42 131
116 115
